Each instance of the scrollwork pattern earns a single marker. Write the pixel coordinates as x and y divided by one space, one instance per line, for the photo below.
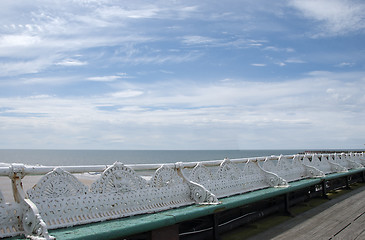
201 174
165 177
34 226
118 178
201 195
55 184
227 170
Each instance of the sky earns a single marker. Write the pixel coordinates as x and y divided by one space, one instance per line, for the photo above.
87 74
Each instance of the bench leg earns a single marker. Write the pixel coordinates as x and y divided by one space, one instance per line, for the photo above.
348 182
324 190
287 205
215 227
165 233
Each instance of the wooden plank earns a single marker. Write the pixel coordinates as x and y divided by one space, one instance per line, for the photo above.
326 224
329 222
340 218
354 230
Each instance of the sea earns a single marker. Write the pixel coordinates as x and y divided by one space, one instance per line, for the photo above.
107 157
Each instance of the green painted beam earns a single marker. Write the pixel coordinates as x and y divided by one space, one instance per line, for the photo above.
343 174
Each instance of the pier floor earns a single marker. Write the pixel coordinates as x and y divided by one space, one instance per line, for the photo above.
340 218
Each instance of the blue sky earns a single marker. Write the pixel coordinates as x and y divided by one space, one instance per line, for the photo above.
182 74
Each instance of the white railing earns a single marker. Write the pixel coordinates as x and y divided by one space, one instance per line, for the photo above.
59 199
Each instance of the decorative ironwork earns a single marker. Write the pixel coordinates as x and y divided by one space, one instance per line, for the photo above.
165 177
56 184
10 213
326 165
118 178
59 199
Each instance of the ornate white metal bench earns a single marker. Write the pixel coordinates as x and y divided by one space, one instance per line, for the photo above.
59 199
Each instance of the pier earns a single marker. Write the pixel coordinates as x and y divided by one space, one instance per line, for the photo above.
342 217
194 200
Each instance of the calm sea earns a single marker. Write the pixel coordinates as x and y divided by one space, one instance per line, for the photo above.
92 157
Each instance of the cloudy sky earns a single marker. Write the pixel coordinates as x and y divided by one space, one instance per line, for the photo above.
85 74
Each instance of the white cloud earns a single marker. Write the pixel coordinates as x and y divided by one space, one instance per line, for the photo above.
54 80
281 64
21 40
345 64
159 58
71 62
12 68
193 40
227 112
41 96
258 64
107 37
126 94
105 78
118 12
336 17
294 60
276 49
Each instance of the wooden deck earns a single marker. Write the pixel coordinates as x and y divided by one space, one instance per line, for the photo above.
340 218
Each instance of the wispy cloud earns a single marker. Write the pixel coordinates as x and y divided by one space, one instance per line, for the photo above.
193 40
71 62
294 60
276 49
116 12
13 68
345 64
335 17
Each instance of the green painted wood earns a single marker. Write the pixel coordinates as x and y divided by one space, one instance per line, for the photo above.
344 174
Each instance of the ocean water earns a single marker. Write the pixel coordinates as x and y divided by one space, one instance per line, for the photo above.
95 157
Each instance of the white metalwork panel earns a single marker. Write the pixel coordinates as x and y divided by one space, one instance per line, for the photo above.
289 169
55 184
346 162
358 157
226 180
352 161
257 178
325 164
64 201
229 179
10 213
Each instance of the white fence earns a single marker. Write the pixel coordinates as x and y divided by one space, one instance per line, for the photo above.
59 199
